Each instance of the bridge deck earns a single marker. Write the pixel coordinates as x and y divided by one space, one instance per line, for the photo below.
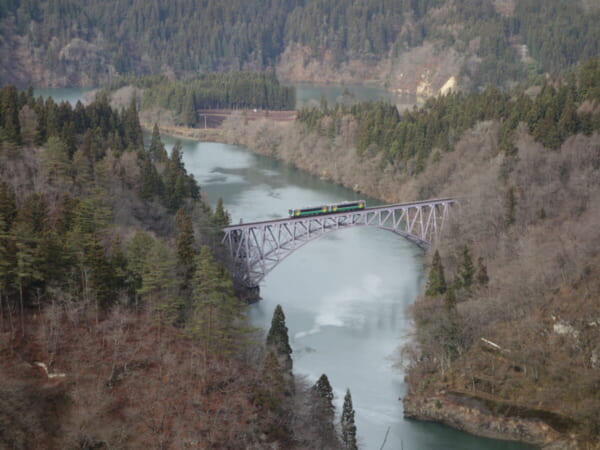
342 213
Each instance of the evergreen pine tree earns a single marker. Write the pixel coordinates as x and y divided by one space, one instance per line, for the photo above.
25 270
150 182
80 119
467 270
52 124
157 150
482 275
450 335
40 128
102 277
51 259
273 382
184 242
436 283
348 427
9 113
69 138
215 308
34 212
133 130
324 410
66 214
138 250
568 123
174 181
156 266
6 266
189 113
450 298
221 216
8 205
83 171
278 339
56 160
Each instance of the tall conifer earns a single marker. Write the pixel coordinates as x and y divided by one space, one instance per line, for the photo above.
278 339
8 204
157 150
450 298
324 410
189 113
56 160
436 283
184 241
9 106
221 216
215 308
133 130
348 427
467 270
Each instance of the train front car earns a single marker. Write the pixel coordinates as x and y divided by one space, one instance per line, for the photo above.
309 211
349 206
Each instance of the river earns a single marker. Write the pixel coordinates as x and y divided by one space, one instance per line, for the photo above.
344 296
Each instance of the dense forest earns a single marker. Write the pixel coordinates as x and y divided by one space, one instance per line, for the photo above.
413 136
506 334
93 41
233 90
120 325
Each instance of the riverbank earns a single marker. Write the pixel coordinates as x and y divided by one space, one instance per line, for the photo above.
473 414
196 134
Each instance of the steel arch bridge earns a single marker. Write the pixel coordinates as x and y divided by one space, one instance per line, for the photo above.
257 248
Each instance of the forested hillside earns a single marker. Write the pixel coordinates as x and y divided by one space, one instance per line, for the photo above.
232 90
506 340
393 42
411 138
120 326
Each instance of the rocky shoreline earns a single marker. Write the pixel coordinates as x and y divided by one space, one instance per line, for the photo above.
472 415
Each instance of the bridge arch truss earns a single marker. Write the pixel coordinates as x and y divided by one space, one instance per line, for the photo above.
257 248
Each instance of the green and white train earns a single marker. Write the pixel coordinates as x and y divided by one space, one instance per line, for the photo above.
328 209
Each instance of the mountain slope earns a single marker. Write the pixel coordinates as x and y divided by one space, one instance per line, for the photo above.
400 44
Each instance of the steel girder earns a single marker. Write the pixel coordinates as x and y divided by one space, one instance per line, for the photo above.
257 248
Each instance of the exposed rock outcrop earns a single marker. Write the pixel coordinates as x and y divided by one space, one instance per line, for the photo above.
487 417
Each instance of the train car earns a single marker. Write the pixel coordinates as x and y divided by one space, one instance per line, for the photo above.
348 206
309 211
328 209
